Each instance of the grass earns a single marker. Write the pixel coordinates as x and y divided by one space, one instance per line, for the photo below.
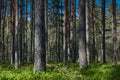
58 72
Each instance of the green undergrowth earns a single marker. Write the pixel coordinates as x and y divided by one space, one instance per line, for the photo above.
59 72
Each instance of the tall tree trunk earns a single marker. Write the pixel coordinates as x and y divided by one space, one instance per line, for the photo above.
21 30
61 11
65 32
12 29
2 32
31 40
82 35
72 30
0 24
7 35
32 32
56 24
74 58
40 52
69 53
114 31
103 32
57 31
16 34
26 29
46 28
95 56
87 31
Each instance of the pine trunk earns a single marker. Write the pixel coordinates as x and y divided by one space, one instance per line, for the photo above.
16 34
65 33
114 31
82 35
40 52
103 32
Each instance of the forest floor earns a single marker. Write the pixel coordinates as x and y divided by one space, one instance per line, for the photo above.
59 72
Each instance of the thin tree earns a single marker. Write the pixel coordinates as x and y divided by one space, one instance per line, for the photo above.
87 31
40 52
72 30
61 18
0 24
57 31
7 25
26 41
16 34
95 56
69 54
65 32
103 31
114 30
21 30
82 35
46 28
12 29
74 19
32 30
3 31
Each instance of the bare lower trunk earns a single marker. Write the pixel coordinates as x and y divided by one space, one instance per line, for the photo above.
87 31
40 52
82 35
0 25
95 55
46 28
65 33
16 34
114 31
103 32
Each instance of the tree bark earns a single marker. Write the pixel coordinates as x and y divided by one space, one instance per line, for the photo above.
103 32
114 31
16 34
46 28
2 31
21 30
26 29
32 31
72 30
40 52
12 10
0 25
95 55
65 33
87 31
82 35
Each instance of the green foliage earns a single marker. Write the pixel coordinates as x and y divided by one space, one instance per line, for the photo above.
59 72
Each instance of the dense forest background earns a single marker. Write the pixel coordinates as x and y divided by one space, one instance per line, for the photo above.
59 33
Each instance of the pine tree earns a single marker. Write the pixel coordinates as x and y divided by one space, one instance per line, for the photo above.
103 32
40 52
114 30
82 35
16 34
